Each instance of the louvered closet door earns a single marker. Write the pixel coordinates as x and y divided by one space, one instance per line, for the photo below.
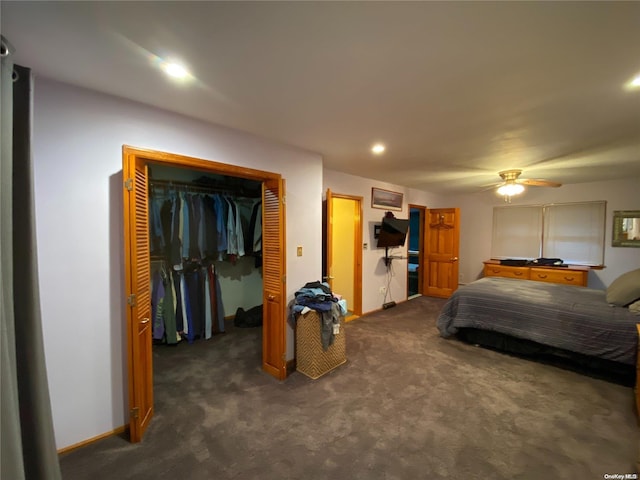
138 290
273 274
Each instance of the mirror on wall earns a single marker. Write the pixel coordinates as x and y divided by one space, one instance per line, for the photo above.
626 228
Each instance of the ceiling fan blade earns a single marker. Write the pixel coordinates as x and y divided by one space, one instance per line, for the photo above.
533 182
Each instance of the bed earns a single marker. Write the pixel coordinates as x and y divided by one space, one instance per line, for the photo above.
576 325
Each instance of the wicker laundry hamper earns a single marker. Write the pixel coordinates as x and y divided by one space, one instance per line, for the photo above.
312 359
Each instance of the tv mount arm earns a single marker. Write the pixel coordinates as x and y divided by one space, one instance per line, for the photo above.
388 258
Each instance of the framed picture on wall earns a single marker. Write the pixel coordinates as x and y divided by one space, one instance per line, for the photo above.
386 199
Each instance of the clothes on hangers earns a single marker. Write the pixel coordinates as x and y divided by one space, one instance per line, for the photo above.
192 231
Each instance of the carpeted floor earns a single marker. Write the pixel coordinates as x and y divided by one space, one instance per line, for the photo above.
407 405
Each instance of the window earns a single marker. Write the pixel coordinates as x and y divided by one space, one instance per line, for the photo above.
517 232
573 232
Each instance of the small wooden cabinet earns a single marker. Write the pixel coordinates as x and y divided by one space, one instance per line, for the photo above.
573 275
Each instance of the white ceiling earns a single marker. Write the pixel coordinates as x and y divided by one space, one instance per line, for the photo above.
457 91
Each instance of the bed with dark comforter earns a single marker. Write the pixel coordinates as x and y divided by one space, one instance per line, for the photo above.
566 318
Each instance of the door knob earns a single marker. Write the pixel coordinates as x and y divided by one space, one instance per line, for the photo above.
144 321
454 259
271 298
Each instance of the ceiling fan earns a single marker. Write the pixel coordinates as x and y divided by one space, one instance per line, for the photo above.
513 185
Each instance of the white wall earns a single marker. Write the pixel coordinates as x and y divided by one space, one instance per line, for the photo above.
477 215
78 138
374 272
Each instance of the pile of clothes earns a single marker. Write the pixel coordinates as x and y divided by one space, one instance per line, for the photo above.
331 307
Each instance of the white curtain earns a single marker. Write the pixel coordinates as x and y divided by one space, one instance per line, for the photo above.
28 450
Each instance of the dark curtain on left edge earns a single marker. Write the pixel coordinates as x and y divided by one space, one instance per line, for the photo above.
27 438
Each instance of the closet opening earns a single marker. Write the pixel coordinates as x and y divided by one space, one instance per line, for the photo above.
196 272
205 236
415 251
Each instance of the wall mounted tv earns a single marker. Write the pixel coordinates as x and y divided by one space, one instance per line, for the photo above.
393 232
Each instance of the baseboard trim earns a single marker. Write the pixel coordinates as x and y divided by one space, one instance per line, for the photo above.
84 443
399 302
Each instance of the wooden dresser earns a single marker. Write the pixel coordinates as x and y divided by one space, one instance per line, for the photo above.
572 275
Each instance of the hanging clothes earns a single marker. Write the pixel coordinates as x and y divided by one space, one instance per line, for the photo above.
157 299
221 224
192 231
232 235
169 313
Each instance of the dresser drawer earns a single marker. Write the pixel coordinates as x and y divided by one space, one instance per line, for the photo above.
567 277
506 271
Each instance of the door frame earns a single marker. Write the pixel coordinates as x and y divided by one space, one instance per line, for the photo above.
421 247
357 246
274 357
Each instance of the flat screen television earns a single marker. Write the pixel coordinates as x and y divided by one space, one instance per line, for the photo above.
393 232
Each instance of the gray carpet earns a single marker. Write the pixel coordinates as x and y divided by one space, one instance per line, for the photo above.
407 405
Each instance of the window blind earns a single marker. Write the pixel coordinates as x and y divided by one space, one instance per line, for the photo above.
573 232
517 232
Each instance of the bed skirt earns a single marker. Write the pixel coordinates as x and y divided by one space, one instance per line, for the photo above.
601 368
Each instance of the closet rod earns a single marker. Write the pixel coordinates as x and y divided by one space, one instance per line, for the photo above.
194 187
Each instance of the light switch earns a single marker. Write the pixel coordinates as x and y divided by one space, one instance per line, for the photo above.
299 251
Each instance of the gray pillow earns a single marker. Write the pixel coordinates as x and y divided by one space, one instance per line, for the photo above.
625 289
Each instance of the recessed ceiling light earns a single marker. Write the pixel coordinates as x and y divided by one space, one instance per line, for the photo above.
634 83
378 148
175 70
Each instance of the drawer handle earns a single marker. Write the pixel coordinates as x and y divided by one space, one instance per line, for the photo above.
495 270
569 279
518 273
541 276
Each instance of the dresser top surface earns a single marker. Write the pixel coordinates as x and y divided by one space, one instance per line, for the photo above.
494 261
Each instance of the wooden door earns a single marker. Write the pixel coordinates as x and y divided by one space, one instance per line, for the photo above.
138 293
442 249
328 239
273 277
344 249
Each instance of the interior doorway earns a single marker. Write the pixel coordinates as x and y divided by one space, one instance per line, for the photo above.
415 251
137 271
342 266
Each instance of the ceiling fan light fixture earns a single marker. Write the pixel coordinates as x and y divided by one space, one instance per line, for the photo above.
510 189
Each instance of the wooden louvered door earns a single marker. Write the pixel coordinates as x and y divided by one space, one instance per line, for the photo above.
138 292
273 278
